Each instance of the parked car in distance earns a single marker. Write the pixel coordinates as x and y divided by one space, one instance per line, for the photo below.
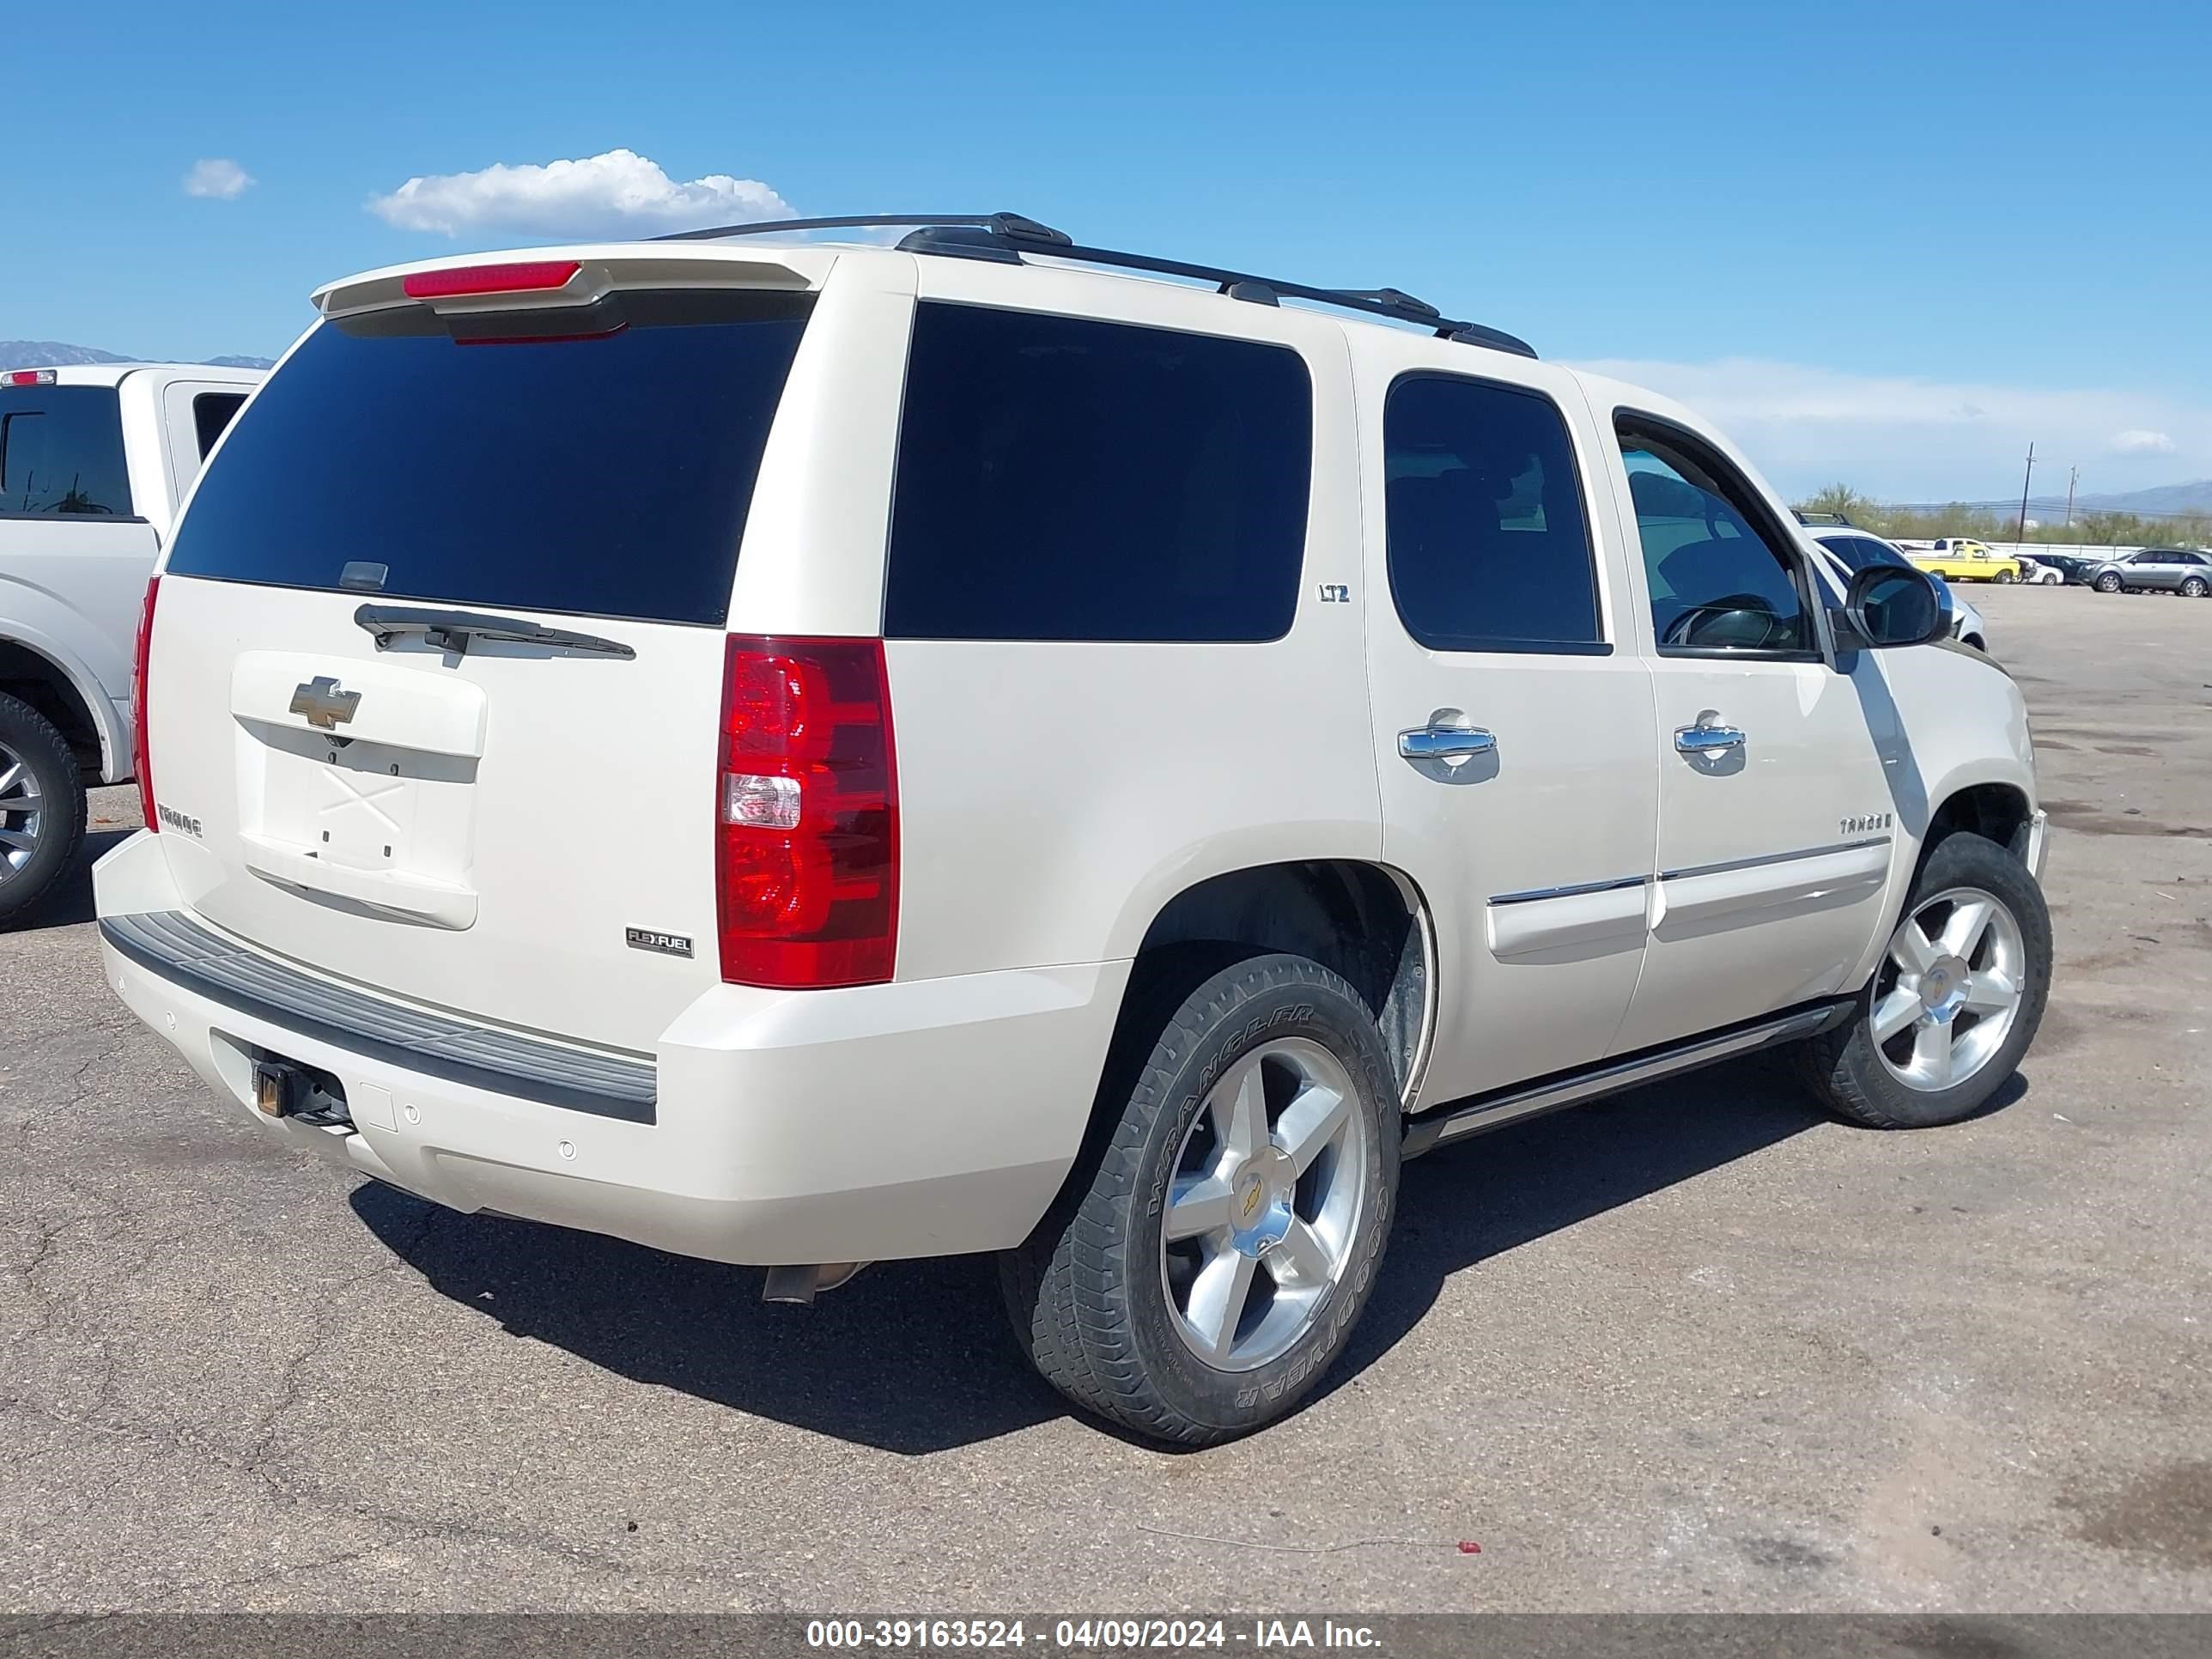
2182 570
2075 569
1858 550
2039 571
1962 559
95 462
1006 755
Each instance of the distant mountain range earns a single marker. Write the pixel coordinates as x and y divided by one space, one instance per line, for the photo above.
54 354
2160 501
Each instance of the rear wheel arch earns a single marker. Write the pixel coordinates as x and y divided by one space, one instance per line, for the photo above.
1365 921
30 676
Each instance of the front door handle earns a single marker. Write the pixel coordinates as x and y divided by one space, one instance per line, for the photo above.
1709 736
1436 742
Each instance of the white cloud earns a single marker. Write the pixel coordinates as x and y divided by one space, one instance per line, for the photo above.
1906 438
219 177
620 193
2136 441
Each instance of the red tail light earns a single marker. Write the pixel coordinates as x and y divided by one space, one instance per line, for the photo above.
141 660
806 818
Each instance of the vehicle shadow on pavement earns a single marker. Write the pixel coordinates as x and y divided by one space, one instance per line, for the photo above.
914 1357
911 1356
1464 1204
70 901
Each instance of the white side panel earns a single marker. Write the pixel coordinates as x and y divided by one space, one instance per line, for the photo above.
1705 901
1564 806
71 590
812 559
1527 928
1053 798
155 489
1756 908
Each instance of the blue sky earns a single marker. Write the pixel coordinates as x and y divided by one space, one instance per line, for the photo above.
1886 244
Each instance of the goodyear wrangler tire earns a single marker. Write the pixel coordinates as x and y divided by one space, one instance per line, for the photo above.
1195 1284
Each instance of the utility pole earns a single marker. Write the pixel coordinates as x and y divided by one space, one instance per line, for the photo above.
2073 473
2023 492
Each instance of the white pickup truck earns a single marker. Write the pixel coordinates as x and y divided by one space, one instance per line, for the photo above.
94 463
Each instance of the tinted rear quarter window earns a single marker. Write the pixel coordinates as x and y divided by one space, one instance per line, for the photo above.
61 452
1489 547
1060 478
211 412
608 475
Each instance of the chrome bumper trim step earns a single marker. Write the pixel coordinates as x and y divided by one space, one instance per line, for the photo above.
172 946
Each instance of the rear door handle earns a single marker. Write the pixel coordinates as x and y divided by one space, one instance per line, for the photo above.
1434 742
1708 737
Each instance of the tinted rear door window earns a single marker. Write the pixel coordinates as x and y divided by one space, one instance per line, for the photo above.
1489 547
603 476
1066 479
61 452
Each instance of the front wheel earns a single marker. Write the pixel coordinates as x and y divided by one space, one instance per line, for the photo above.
41 807
1954 1004
2193 588
2107 583
1198 1282
2003 578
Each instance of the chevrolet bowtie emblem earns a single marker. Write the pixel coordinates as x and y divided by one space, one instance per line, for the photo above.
323 704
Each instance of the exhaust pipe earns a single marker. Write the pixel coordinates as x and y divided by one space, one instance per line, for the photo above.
798 1285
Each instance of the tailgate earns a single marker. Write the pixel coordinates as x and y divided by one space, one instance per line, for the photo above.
437 651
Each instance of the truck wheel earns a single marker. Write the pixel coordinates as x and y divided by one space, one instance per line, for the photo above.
2193 588
2107 583
1955 1001
41 807
2002 579
1196 1284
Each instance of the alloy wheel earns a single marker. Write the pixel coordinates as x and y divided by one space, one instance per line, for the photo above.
1949 988
22 812
1269 1190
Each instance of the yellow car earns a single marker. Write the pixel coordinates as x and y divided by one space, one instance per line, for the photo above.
1960 558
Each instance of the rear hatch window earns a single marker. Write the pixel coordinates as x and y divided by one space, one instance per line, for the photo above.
604 476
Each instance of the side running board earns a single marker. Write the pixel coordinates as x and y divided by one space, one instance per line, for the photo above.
1472 1116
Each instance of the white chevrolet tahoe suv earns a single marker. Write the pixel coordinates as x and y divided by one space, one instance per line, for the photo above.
800 754
93 462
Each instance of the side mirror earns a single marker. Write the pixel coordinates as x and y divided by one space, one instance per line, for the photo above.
1890 605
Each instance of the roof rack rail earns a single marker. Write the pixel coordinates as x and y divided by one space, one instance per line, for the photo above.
1007 236
1012 225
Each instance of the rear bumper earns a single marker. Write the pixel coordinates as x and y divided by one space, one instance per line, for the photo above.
919 1118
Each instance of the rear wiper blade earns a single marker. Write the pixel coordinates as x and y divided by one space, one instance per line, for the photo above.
451 630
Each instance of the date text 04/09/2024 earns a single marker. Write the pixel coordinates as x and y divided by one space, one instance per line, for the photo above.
1087 1634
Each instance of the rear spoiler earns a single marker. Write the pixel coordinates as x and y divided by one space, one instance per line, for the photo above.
511 281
